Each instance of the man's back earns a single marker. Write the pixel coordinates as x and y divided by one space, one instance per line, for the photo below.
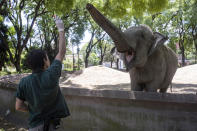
42 92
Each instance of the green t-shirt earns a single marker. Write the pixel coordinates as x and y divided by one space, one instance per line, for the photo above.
42 92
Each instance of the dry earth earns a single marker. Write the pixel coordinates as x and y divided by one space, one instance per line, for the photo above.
99 77
7 126
104 78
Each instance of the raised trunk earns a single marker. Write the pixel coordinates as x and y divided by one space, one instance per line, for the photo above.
116 34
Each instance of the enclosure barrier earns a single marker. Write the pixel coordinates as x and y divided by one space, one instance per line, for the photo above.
114 110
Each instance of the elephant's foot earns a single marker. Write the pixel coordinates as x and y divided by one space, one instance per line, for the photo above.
163 90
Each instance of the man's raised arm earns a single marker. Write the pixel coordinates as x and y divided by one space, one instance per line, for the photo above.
62 44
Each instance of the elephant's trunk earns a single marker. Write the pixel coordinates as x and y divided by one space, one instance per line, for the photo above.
115 33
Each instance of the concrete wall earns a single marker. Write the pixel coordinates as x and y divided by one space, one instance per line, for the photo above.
113 110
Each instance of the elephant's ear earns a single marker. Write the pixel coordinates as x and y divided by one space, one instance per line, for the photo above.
159 40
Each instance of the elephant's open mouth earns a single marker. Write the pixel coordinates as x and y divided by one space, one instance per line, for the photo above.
129 59
130 55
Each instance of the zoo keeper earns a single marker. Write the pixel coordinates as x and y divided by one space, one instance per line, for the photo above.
46 104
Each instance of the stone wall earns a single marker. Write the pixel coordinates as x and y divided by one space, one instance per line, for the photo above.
106 110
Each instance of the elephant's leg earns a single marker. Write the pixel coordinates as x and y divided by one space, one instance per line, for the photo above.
136 87
151 87
151 90
165 86
163 90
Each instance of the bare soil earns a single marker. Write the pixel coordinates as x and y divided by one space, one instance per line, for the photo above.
104 78
7 126
100 77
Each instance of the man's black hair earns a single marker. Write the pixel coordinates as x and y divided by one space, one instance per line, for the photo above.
35 59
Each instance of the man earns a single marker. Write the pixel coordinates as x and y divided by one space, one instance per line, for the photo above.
46 104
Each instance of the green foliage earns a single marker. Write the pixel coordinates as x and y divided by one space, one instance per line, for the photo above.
3 36
68 65
81 63
93 59
1 18
1 129
154 6
108 57
59 6
112 8
161 15
117 9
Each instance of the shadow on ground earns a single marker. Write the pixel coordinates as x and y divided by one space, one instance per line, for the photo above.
185 87
120 86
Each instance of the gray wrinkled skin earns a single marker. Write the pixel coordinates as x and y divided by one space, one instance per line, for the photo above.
150 63
149 72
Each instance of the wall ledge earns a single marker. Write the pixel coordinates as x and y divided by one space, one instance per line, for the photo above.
132 95
118 94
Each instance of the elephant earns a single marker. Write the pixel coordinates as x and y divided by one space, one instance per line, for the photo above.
150 63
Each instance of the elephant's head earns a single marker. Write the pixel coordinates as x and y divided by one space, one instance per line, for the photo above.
136 43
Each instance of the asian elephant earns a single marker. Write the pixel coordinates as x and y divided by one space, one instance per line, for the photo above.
150 63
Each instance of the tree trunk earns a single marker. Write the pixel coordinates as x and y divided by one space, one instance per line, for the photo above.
78 58
117 63
183 56
86 58
18 67
101 60
86 62
195 52
112 60
111 63
182 52
17 64
74 62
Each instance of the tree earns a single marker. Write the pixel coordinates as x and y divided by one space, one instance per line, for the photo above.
24 13
77 30
191 11
3 34
109 57
176 22
116 9
97 33
101 50
47 35
32 10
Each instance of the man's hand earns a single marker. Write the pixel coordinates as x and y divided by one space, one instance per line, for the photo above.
62 45
59 24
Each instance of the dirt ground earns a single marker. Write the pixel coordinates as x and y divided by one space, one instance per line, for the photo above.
7 126
103 78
